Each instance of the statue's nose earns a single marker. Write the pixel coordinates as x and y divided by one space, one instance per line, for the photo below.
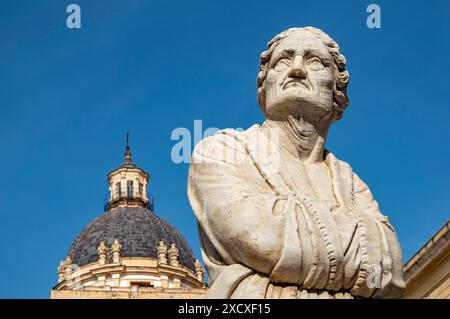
298 67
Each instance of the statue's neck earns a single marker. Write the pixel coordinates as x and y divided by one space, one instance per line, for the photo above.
302 139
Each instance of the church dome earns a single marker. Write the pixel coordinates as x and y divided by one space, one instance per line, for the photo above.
138 230
128 251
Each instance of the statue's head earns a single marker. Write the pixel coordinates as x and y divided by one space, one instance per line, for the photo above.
302 72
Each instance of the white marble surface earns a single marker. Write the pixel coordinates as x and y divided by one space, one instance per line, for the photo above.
279 215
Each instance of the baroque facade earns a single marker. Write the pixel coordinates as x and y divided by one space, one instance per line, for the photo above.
128 251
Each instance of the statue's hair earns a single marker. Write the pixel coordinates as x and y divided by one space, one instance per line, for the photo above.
340 99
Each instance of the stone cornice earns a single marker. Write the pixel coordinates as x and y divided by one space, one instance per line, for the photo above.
432 250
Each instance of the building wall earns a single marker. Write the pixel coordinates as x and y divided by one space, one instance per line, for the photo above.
130 278
427 274
141 293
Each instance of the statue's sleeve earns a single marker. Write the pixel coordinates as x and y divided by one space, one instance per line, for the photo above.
237 210
392 283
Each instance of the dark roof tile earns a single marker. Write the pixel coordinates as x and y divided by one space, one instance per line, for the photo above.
138 231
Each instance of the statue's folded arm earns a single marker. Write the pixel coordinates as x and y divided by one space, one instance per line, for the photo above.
236 209
392 282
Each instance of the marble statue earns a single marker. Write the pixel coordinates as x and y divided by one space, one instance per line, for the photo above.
102 250
279 215
174 253
115 248
162 253
199 270
61 270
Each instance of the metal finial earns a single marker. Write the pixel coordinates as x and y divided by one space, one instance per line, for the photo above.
127 150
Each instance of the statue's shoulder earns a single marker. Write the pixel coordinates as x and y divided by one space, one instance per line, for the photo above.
359 185
331 158
225 142
238 134
344 169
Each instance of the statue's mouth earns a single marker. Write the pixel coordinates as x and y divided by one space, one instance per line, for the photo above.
295 83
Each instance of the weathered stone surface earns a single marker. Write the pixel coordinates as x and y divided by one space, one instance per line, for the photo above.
279 215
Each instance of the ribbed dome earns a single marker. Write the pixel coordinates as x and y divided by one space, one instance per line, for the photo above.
138 231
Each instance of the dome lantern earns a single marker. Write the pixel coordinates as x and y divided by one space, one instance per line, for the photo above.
128 185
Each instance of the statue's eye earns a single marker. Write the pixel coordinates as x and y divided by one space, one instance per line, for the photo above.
315 63
282 65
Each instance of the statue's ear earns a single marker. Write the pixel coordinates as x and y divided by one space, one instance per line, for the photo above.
338 99
262 98
336 114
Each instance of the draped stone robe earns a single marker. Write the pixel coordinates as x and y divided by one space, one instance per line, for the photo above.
265 234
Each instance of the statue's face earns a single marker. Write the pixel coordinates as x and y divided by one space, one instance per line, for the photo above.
300 79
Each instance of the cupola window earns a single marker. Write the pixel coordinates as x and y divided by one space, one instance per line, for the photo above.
118 190
130 189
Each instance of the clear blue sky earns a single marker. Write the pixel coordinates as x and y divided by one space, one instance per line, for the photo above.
67 97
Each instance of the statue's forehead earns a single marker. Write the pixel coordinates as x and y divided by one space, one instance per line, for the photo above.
300 41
